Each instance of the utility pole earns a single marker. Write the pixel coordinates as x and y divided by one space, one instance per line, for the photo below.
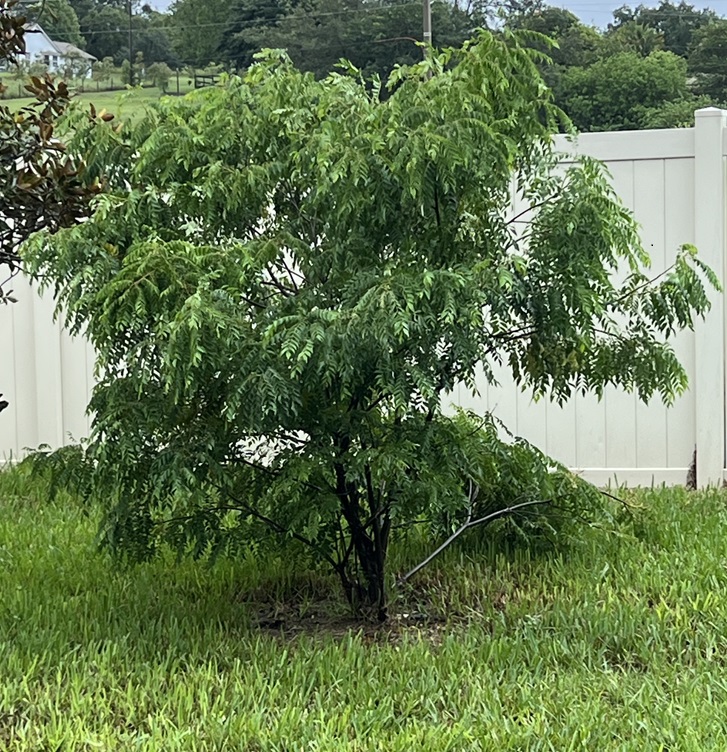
131 45
427 9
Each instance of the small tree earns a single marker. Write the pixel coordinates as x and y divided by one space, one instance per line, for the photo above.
160 74
139 65
19 68
127 73
103 69
74 66
38 69
287 276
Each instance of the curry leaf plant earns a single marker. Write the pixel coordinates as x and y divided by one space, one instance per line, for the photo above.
285 278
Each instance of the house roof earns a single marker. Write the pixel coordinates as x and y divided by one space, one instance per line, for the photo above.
70 50
34 28
64 49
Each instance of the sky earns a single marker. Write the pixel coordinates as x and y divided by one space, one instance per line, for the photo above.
600 13
596 12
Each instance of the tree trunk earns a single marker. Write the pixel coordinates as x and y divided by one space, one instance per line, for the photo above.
373 588
365 584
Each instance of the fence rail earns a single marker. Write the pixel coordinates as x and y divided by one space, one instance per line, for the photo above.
673 181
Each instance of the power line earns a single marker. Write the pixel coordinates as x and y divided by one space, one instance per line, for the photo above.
342 45
261 20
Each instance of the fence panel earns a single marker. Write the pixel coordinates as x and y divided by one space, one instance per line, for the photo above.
47 377
673 180
619 438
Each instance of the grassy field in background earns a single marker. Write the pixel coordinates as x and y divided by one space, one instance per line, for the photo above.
617 643
124 104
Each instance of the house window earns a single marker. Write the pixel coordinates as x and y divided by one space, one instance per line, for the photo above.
46 59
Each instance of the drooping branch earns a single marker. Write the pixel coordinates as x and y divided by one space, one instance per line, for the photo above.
529 209
613 497
274 473
242 506
466 526
14 265
502 338
644 285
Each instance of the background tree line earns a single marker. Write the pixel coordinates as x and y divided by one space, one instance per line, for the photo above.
651 67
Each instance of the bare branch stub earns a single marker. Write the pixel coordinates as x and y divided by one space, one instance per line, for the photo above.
470 523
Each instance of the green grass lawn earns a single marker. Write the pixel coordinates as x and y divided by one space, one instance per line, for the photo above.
617 643
123 104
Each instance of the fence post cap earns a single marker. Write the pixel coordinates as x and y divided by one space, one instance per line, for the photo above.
710 112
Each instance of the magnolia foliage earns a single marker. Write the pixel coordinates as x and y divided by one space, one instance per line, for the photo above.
41 187
284 278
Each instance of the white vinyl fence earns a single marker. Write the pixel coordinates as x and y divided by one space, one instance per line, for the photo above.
673 181
45 375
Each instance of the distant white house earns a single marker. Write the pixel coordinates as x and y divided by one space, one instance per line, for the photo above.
40 48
